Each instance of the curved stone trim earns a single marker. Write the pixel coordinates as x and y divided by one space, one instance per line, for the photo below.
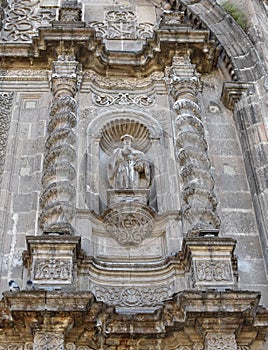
243 55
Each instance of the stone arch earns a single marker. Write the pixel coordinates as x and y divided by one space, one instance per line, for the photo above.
246 63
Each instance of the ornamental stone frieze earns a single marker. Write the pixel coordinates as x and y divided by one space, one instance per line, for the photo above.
197 184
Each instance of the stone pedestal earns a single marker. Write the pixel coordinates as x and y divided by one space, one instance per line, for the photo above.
51 260
211 262
127 196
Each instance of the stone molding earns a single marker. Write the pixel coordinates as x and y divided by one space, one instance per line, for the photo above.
232 92
86 323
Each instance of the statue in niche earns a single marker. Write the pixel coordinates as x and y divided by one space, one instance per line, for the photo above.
128 167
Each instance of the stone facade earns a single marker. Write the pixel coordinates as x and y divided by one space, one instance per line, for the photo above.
133 175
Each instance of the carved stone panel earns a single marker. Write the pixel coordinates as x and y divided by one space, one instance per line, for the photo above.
22 20
122 25
220 342
53 270
48 340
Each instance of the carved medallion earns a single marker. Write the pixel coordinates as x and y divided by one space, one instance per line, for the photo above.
129 224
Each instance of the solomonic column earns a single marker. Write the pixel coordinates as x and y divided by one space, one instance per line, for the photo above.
196 181
58 197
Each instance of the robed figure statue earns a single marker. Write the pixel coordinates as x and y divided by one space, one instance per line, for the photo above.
128 167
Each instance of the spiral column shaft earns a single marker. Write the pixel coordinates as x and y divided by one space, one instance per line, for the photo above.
58 197
196 181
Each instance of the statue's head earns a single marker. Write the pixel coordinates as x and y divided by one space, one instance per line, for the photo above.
126 139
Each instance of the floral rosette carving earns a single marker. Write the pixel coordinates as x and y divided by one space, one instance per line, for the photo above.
129 225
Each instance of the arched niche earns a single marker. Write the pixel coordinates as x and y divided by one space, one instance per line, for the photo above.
104 135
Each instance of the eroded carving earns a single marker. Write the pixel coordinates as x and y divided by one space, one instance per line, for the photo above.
213 271
21 21
5 115
129 224
52 269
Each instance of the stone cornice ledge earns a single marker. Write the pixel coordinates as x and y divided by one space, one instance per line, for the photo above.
233 91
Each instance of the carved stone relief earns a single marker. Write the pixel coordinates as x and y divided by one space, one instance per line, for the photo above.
129 225
5 112
133 296
122 99
48 340
213 271
122 25
52 270
21 20
220 341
